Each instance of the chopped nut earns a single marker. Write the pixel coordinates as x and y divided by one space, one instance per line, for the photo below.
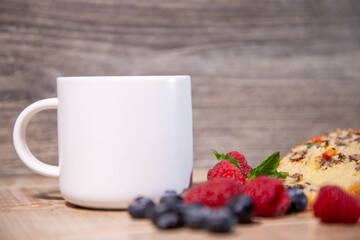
299 186
322 162
298 155
354 157
349 135
307 183
325 143
357 168
339 158
297 176
330 161
340 144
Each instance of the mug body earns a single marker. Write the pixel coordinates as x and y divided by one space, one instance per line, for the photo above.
123 137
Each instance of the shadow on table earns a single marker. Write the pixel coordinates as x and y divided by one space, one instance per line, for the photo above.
68 204
50 195
56 195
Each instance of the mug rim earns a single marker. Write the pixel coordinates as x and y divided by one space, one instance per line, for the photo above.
125 77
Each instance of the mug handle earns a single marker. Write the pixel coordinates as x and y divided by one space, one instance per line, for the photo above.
19 137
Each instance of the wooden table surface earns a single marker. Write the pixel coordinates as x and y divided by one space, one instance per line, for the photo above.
31 207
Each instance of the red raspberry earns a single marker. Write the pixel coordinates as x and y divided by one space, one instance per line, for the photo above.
334 205
245 168
269 195
225 169
213 193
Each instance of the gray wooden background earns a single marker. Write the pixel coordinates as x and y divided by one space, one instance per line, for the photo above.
265 74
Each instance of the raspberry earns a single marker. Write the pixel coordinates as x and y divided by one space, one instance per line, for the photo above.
269 195
225 169
245 168
334 205
213 193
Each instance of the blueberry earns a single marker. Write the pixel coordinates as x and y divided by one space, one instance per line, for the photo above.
220 220
298 200
166 215
169 220
139 207
242 207
194 215
171 197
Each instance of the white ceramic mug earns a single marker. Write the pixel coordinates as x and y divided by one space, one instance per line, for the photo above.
119 137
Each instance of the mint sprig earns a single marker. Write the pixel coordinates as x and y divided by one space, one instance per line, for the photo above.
226 157
268 167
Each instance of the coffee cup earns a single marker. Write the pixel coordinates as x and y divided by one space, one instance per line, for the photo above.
119 137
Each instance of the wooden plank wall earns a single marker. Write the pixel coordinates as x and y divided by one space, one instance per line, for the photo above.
265 74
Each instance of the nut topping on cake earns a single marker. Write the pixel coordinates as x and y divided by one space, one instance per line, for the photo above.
354 157
332 158
349 135
299 186
298 155
341 144
297 176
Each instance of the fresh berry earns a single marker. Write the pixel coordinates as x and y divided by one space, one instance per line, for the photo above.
171 197
166 216
169 220
225 169
194 214
220 220
334 205
298 200
244 166
269 196
139 207
213 193
243 208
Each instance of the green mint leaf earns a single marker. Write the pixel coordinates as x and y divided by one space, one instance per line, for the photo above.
217 155
308 145
281 174
226 157
268 167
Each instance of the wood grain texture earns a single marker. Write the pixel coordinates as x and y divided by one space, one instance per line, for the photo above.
31 207
266 75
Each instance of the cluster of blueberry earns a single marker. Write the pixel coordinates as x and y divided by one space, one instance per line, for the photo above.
173 212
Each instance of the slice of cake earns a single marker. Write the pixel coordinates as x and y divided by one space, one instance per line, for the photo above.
333 158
